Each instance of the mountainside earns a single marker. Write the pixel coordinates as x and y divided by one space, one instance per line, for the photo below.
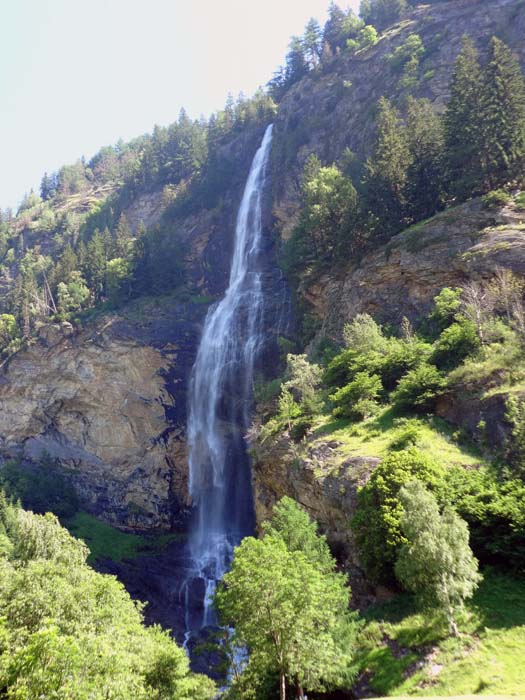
325 113
393 320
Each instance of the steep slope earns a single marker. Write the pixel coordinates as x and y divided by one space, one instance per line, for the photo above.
330 110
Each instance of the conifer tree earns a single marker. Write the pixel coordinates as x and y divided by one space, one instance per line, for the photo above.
122 237
95 264
425 177
387 172
463 124
503 116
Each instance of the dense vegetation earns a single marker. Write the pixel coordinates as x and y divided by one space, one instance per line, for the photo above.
421 161
66 631
439 503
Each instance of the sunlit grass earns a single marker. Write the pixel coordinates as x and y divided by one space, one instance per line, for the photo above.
377 436
410 653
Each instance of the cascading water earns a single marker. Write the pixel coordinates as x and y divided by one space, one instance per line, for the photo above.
220 394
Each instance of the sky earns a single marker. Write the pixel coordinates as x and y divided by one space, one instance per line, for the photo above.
76 75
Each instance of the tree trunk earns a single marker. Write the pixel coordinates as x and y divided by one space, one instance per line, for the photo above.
282 688
300 692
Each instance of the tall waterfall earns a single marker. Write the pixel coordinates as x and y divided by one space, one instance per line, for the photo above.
220 393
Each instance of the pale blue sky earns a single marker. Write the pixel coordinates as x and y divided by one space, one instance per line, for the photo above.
76 75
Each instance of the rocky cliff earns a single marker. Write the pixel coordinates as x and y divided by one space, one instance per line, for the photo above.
108 402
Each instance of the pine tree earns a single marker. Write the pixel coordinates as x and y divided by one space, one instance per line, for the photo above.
312 42
463 134
425 179
122 238
503 116
387 172
95 264
333 29
109 244
296 64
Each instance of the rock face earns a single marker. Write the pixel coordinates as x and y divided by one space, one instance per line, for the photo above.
334 110
402 278
96 402
324 483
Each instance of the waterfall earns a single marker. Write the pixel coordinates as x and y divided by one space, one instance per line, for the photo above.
219 400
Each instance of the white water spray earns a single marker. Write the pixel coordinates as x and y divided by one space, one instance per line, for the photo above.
220 393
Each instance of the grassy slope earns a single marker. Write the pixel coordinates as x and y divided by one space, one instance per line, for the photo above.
375 436
409 653
106 542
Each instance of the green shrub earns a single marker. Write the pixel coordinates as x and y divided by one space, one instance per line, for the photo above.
419 388
300 428
519 201
376 523
455 343
494 511
395 359
515 447
446 307
357 397
496 198
407 434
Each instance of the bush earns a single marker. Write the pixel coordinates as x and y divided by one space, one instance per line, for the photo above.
376 523
455 344
300 428
419 388
495 199
394 360
494 511
356 400
407 434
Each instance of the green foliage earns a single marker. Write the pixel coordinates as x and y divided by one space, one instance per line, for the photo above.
419 388
382 13
446 306
67 631
494 511
9 333
357 400
73 295
408 433
495 199
364 335
293 525
515 415
462 132
387 171
328 218
426 172
303 378
406 59
455 343
377 522
367 37
436 562
502 116
288 606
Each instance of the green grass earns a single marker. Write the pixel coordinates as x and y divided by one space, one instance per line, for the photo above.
409 653
106 542
375 437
